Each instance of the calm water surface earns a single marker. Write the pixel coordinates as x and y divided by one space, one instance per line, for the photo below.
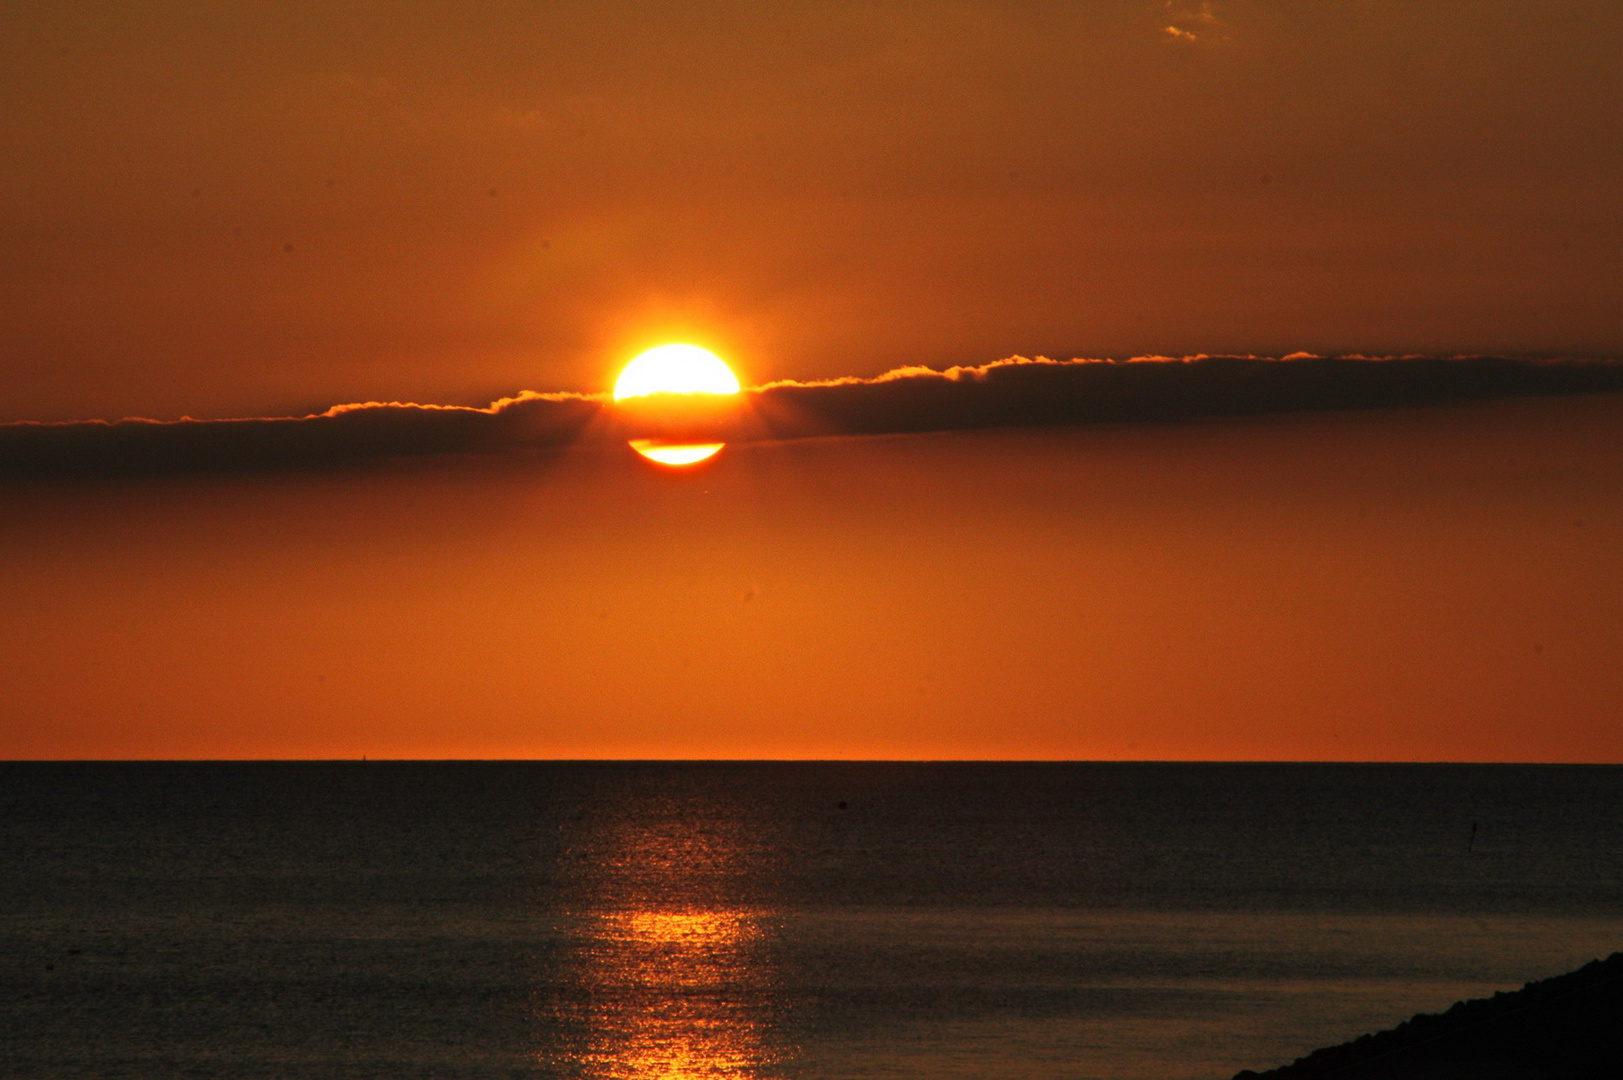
760 921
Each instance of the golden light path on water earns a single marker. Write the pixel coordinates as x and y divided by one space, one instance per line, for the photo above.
680 1012
672 976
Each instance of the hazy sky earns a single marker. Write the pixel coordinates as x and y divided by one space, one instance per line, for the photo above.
1431 584
241 209
259 210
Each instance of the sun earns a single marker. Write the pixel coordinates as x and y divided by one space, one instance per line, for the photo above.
676 454
675 369
688 424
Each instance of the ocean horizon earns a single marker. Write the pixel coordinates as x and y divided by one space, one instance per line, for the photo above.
767 920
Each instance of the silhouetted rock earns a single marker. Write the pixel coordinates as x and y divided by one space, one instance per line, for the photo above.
1566 1028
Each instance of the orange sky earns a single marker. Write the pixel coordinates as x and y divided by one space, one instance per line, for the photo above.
230 209
262 210
1410 584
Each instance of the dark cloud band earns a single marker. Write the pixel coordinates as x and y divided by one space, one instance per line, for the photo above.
342 435
1019 392
1010 393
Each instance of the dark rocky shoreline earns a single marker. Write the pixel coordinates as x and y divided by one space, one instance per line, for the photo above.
1569 1027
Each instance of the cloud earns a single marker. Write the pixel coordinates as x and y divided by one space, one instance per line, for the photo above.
1209 26
343 434
1024 392
1017 392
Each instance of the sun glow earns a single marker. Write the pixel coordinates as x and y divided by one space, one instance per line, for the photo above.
675 369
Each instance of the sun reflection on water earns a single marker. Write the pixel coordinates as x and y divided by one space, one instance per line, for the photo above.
672 976
687 928
680 989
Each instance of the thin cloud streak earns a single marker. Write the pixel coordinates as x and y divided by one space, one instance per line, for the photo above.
1017 392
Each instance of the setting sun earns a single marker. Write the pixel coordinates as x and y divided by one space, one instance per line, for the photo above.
675 453
675 369
698 375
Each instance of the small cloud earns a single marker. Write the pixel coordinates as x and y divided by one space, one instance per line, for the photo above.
1192 23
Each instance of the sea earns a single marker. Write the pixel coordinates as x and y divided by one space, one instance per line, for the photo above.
752 921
